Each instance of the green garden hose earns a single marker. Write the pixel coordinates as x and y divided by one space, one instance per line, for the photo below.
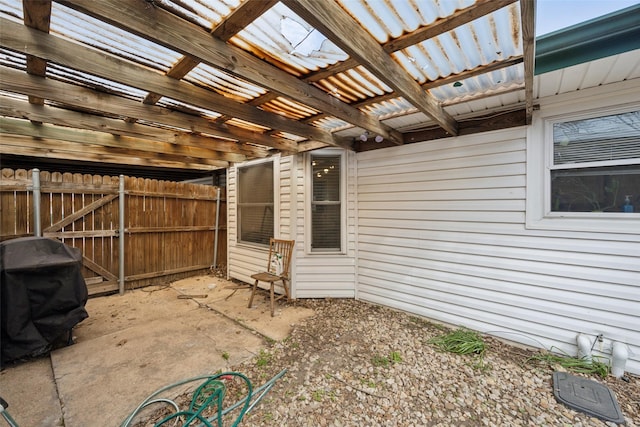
210 392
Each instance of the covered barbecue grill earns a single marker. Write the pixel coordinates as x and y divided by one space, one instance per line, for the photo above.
42 297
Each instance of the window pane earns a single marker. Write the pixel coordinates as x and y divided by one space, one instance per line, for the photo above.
256 224
326 204
615 137
255 183
326 227
255 203
604 189
326 178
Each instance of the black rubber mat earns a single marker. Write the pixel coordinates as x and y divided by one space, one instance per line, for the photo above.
587 396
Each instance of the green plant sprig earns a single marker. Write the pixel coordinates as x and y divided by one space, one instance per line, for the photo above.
582 365
460 341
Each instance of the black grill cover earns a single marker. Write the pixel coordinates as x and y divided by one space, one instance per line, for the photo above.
42 297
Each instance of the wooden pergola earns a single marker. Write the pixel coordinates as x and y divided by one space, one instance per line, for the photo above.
45 116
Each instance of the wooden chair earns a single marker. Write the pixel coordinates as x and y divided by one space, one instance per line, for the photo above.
282 250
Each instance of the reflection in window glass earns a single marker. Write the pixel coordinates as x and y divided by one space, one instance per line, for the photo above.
606 189
255 203
325 203
596 164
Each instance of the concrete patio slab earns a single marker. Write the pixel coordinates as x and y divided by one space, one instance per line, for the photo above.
136 343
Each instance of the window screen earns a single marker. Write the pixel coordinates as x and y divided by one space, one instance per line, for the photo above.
255 203
596 164
326 204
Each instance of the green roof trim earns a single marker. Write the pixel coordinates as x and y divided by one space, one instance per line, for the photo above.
608 35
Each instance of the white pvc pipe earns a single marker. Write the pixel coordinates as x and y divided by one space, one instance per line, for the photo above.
619 357
584 346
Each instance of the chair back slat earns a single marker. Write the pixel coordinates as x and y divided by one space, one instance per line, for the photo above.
285 249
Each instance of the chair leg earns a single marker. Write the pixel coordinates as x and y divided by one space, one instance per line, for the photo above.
286 289
253 292
272 299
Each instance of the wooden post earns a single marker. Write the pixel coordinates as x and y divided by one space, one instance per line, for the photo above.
121 237
37 219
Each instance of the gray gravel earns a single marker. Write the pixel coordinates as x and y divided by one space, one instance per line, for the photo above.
337 376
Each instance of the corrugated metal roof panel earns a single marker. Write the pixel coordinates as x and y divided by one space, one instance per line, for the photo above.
72 76
484 83
484 41
13 59
206 13
388 19
11 9
390 108
353 85
289 41
331 124
288 108
224 83
246 125
491 38
87 30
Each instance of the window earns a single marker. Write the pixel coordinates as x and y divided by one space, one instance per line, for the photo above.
595 165
326 202
583 165
255 203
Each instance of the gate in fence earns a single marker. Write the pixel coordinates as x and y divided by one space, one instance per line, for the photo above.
132 232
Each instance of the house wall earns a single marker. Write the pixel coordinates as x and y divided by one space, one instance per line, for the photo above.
247 259
442 233
312 275
325 275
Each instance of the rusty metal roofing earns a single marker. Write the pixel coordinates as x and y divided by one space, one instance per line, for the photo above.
282 36
293 45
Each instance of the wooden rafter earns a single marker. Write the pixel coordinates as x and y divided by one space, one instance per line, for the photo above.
86 99
22 39
55 149
528 8
174 33
498 65
460 17
37 15
332 21
9 126
215 148
63 120
239 18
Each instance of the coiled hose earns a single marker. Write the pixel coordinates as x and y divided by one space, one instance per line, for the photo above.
211 391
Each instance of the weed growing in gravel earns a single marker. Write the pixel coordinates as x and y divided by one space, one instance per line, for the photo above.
317 395
384 361
575 364
368 383
462 341
225 355
395 357
263 358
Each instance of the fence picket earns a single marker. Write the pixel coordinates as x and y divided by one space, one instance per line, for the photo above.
170 226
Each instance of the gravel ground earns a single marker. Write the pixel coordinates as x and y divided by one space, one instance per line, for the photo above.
357 364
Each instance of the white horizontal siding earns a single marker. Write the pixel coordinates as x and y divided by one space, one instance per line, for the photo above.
320 275
246 259
441 233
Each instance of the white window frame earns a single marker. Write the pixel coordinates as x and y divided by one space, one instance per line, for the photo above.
343 201
276 199
540 158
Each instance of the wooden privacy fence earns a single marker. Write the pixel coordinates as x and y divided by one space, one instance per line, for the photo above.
171 230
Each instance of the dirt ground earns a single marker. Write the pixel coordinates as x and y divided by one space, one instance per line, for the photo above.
331 362
355 364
